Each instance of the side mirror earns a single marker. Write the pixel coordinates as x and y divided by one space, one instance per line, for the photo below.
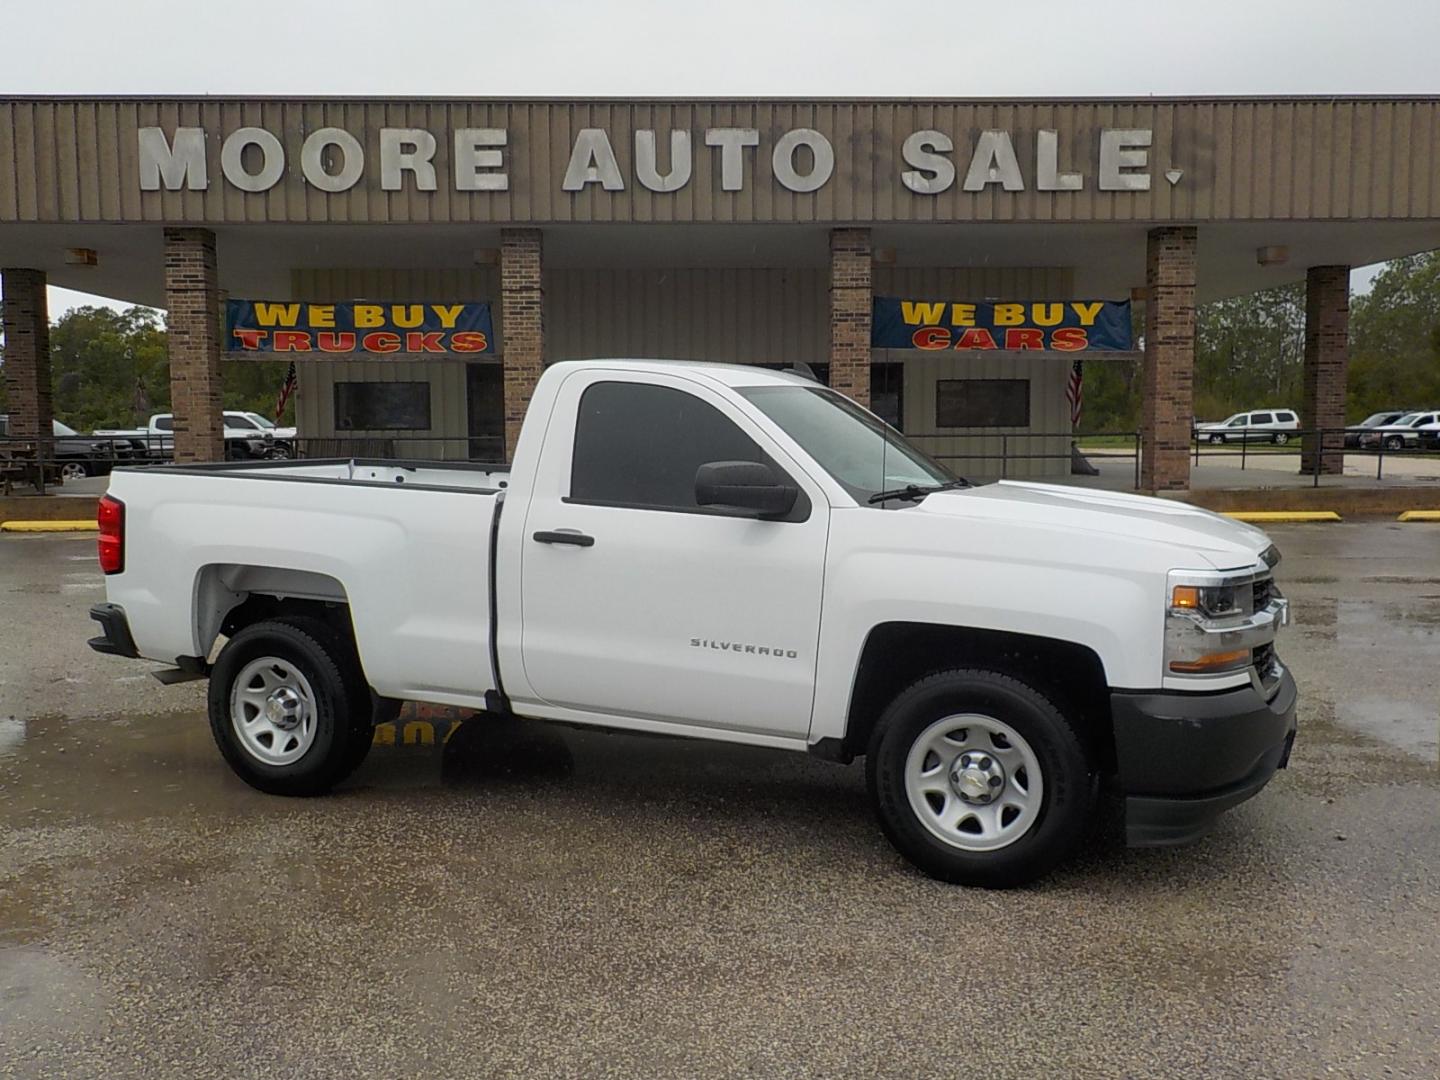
744 485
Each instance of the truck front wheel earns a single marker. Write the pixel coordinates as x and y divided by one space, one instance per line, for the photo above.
283 707
978 779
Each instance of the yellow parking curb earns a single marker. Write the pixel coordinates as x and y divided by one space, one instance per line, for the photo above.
1283 515
1420 515
48 526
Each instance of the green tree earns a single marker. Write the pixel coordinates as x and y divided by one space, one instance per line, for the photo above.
111 369
1395 339
1250 352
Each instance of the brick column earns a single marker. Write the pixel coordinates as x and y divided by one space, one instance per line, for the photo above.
522 305
27 353
1327 356
850 313
1166 414
193 300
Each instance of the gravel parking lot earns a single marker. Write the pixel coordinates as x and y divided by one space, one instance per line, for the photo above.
537 902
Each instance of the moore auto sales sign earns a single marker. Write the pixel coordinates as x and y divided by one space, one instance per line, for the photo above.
475 159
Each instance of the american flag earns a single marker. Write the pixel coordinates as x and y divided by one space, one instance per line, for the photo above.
286 389
1074 390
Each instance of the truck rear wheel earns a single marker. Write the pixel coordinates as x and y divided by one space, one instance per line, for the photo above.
978 779
284 704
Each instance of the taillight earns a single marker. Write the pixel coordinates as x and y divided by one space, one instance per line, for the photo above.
111 518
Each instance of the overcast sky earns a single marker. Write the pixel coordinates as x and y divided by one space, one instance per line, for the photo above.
841 48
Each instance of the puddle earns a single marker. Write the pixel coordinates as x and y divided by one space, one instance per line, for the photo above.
12 735
1411 726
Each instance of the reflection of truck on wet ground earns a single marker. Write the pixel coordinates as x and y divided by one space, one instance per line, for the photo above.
728 553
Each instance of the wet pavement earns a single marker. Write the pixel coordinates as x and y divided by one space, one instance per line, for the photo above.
534 902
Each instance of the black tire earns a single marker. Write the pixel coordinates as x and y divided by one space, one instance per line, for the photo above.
342 648
1069 778
81 468
1280 438
339 743
1216 439
1394 442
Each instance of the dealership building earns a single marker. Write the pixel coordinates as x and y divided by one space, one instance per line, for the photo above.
944 261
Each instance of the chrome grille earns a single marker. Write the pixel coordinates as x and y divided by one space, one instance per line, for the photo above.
1264 593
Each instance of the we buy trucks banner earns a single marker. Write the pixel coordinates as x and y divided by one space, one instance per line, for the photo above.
1062 325
400 330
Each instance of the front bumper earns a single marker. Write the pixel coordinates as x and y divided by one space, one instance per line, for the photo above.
1184 758
116 640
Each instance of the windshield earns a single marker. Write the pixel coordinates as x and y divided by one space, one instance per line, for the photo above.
260 420
61 429
1406 420
1377 419
861 451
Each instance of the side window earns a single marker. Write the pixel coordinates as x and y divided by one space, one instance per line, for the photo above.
1261 418
164 423
1285 417
235 420
640 445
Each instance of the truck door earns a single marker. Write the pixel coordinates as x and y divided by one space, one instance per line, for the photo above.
659 608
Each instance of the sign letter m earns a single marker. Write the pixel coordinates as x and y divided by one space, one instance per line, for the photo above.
177 166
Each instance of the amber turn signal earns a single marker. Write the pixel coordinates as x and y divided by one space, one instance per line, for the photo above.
1186 596
1220 661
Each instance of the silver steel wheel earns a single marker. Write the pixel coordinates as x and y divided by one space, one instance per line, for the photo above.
272 709
974 782
73 470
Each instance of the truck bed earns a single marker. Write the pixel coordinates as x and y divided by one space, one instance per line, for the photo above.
464 475
404 545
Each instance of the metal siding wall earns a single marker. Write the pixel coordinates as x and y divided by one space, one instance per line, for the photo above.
754 316
1049 413
449 419
76 160
1047 372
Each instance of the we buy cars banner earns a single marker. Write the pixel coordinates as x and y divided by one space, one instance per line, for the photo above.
402 329
1063 325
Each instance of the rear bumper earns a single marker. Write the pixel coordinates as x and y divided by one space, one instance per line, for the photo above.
116 639
1183 759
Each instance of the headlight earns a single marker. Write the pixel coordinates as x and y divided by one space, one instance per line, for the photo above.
1206 623
1212 601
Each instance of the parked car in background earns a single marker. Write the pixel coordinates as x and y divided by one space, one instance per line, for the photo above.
1374 420
283 445
243 439
79 456
1403 434
1262 425
1429 436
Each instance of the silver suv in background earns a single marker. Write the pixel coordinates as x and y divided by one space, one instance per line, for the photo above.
1370 423
1260 425
1402 434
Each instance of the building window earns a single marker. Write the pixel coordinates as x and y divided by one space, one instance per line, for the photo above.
887 393
640 445
975 403
382 406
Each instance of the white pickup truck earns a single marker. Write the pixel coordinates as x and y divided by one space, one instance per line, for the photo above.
729 553
247 435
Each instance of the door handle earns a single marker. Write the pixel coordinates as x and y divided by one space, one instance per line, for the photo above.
565 536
